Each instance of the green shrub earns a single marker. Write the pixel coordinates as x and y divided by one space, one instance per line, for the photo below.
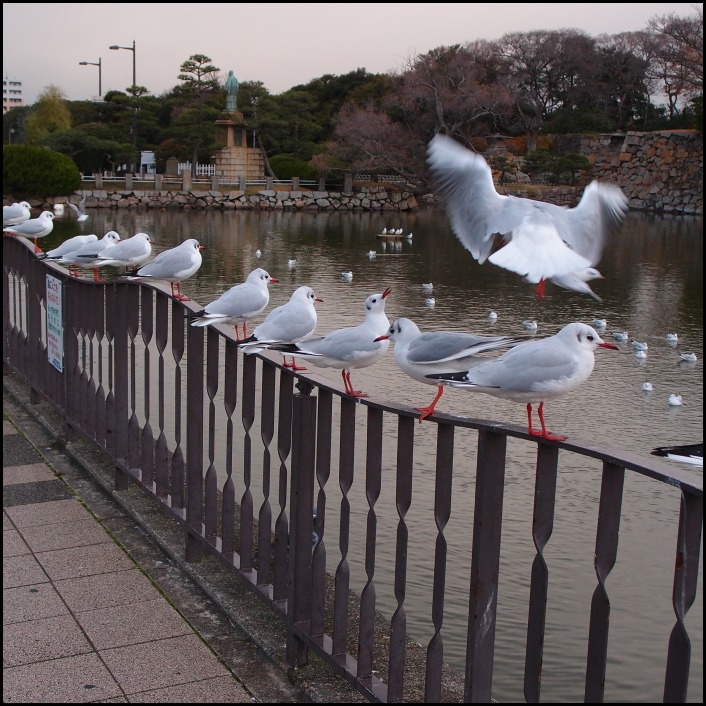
285 166
36 172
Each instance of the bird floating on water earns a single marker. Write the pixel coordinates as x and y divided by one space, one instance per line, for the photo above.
493 316
675 400
688 357
599 324
647 387
620 335
347 276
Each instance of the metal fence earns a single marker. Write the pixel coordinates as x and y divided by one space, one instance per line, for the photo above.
281 479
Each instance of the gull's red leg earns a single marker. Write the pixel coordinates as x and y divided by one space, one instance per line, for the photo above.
546 434
427 411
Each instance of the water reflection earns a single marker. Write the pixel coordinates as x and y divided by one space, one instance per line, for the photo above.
653 285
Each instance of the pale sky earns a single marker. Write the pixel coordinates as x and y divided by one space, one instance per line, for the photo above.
280 44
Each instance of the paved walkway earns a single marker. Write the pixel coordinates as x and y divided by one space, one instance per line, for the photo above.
93 610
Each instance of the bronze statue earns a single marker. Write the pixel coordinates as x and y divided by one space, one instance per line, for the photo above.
231 92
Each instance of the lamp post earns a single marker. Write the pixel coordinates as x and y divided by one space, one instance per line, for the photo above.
253 100
132 49
134 86
93 63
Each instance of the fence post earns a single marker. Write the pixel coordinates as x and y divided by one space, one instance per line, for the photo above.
128 182
98 176
322 184
268 183
214 182
241 183
158 181
347 183
295 183
186 180
301 528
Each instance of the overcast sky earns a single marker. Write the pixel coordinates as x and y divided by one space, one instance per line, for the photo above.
280 44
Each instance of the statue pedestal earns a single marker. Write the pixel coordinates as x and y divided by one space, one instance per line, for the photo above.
236 159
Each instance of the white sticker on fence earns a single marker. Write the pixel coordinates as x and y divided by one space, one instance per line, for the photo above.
55 324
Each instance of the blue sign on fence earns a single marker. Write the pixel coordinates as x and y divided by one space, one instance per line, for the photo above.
55 324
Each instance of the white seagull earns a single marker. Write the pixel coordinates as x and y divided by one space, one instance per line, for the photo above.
59 210
70 245
239 304
131 252
174 266
688 357
418 354
540 240
639 345
289 323
16 213
620 335
347 276
430 302
536 371
672 338
428 287
530 325
492 316
599 324
85 257
350 348
647 387
34 228
675 400
80 210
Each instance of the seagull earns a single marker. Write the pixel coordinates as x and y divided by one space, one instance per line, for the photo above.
372 254
430 301
599 324
428 287
620 335
289 323
686 453
173 266
70 245
131 252
258 253
418 354
34 228
347 349
535 371
239 304
688 357
647 387
672 337
16 213
409 235
675 400
492 316
347 276
292 264
85 257
59 210
639 345
79 210
530 325
541 241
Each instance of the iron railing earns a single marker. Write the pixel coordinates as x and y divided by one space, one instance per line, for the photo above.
289 482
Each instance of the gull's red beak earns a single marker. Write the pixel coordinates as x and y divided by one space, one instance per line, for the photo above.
606 344
381 338
386 292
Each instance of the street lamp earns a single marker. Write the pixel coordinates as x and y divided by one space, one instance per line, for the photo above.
253 100
132 49
93 63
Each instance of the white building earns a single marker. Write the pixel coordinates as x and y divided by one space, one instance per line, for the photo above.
11 94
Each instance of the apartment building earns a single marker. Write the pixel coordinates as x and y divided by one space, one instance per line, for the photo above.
11 94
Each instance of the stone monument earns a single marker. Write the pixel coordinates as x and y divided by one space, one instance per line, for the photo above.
236 160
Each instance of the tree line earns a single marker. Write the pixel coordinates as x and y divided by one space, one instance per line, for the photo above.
525 85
